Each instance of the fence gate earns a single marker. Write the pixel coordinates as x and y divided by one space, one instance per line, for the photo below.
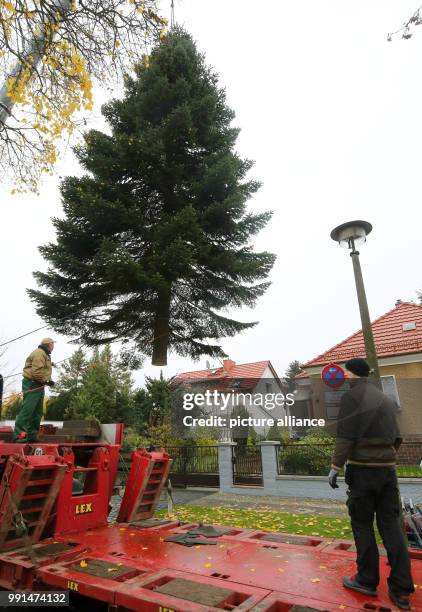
247 466
194 466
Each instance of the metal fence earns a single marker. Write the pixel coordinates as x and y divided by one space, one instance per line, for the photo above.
247 466
194 465
191 466
315 459
408 460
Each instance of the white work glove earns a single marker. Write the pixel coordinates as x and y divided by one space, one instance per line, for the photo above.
332 478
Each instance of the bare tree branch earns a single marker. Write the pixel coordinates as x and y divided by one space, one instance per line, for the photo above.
405 30
52 51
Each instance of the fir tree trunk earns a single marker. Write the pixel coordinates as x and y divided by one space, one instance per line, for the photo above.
161 329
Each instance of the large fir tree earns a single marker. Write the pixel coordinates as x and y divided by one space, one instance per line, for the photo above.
155 241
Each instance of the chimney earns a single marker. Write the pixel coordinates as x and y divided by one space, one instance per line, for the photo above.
398 302
228 365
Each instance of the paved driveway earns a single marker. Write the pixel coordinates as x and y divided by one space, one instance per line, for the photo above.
319 489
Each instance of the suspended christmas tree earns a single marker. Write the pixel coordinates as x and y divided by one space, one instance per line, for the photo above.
155 241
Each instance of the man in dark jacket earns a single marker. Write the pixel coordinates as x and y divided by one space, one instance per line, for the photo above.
368 438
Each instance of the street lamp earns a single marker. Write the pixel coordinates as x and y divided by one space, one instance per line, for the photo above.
350 235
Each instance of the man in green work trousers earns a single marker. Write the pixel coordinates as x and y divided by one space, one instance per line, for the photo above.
36 374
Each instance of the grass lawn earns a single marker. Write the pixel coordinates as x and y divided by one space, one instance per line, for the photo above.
409 471
268 520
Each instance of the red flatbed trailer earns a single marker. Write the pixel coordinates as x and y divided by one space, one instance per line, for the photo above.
131 565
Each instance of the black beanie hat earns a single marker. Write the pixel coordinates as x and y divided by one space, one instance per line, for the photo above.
358 366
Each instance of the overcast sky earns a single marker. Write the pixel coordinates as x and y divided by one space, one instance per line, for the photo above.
330 112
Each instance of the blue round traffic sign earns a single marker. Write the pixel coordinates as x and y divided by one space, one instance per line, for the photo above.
333 375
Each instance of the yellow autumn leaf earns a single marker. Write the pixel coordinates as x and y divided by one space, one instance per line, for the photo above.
207 565
83 563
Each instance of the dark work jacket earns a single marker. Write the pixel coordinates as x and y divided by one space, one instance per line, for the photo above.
367 429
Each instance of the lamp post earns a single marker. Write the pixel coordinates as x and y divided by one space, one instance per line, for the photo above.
350 235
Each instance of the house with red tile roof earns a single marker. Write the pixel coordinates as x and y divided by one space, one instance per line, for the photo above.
249 385
398 342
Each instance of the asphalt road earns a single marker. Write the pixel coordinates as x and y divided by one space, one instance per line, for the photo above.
300 496
321 490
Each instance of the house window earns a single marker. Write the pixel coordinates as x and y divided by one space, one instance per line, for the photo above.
268 388
332 401
389 386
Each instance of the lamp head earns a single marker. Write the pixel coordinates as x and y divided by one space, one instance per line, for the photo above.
351 234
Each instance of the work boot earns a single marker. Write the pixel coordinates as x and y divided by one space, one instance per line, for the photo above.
355 585
401 601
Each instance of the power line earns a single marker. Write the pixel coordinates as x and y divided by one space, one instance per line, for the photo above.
19 394
12 375
65 318
23 335
56 363
93 316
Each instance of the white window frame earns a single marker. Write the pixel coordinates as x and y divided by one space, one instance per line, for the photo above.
396 391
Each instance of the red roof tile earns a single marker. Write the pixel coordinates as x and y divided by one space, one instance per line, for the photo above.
302 375
390 339
247 374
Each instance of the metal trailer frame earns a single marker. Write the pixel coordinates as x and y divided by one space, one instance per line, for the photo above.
150 565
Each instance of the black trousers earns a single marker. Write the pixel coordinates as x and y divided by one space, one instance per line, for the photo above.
374 492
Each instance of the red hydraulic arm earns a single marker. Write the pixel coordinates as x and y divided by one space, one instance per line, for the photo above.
28 491
147 477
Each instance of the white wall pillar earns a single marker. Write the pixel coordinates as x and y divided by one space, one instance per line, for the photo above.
269 450
225 465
